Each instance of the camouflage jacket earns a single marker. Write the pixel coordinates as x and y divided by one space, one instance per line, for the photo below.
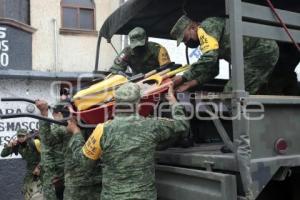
215 45
155 56
29 153
128 144
81 175
53 142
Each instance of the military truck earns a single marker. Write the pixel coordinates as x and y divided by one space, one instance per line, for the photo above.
262 160
241 146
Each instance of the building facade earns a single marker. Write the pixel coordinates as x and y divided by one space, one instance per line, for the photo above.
44 45
54 35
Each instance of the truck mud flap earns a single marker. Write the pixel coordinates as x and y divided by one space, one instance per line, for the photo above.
175 183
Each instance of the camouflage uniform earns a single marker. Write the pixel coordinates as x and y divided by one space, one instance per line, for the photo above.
128 144
260 55
30 153
154 56
81 181
283 80
52 156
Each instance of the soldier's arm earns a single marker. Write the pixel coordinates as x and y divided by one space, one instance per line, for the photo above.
6 151
58 133
207 67
44 127
121 62
45 132
76 144
169 128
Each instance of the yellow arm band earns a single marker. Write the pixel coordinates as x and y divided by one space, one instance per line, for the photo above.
207 42
163 56
92 148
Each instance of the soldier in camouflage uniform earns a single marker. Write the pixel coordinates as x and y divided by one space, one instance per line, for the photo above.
29 150
141 56
81 182
260 55
127 145
52 156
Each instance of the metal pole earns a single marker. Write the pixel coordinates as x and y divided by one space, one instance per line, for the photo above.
236 43
241 124
55 45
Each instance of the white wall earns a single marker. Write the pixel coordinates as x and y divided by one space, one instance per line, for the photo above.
75 52
32 89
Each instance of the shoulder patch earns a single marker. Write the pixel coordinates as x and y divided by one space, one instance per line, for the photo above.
207 42
37 144
163 56
92 148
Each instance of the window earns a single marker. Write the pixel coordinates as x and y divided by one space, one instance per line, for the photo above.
16 10
78 15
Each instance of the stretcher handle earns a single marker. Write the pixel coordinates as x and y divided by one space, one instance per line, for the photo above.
10 99
39 117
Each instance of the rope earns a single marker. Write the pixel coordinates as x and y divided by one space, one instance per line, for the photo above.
283 24
114 48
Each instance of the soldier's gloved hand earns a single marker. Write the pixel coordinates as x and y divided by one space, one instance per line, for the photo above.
186 86
42 106
170 96
57 182
72 126
12 143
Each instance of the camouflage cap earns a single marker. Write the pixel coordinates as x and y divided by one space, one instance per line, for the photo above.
137 37
178 29
21 131
128 93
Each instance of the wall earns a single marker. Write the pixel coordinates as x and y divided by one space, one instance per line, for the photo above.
12 168
75 52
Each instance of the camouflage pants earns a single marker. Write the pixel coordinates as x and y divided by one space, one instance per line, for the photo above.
49 192
48 188
147 195
32 190
92 192
259 64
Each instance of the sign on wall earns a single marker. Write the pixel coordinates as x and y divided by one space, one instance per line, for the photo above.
33 89
9 127
15 48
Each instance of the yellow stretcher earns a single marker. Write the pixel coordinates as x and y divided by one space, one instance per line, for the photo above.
104 91
86 98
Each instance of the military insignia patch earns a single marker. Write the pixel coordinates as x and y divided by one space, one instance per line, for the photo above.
163 57
207 42
92 148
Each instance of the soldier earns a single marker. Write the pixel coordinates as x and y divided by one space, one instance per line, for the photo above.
29 149
260 55
127 145
80 182
141 56
52 157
